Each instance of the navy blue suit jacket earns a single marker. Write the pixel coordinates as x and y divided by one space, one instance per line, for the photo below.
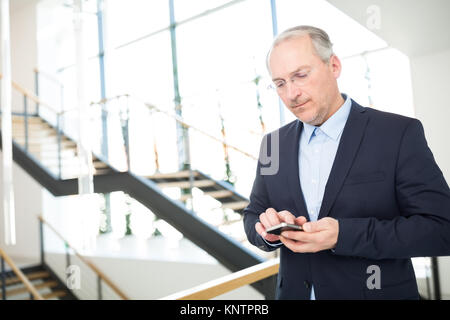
388 195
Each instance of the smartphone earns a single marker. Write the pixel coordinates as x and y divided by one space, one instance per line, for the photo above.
279 228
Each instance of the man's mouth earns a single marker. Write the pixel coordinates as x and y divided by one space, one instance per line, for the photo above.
300 105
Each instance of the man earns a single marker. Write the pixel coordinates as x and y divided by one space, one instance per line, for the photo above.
362 183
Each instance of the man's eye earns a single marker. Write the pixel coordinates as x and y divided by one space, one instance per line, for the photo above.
300 75
279 84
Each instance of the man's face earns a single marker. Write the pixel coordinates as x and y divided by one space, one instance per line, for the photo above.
306 84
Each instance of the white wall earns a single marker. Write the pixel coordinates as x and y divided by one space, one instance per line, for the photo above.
28 198
431 87
431 83
24 44
28 204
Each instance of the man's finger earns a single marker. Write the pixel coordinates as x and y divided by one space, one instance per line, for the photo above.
262 232
272 217
286 216
300 220
264 221
315 226
297 246
260 229
300 236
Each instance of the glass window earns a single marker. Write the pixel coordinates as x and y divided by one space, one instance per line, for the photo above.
217 67
187 9
128 20
142 69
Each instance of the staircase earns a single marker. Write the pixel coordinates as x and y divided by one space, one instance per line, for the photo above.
57 152
43 279
50 157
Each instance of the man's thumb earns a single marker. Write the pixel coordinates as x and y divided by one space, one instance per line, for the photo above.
313 226
308 227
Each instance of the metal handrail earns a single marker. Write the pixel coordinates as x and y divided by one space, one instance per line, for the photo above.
28 285
47 75
92 266
150 106
180 120
32 96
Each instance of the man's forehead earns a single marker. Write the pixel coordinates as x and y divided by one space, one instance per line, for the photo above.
290 73
292 53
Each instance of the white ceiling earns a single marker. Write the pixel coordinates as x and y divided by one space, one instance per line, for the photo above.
415 27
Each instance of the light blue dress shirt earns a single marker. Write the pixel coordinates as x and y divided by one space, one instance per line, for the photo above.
318 146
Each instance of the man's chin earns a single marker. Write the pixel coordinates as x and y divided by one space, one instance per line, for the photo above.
305 117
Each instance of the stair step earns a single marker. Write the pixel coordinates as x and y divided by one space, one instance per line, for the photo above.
30 276
186 184
32 127
49 144
32 136
54 294
21 119
173 175
238 205
40 139
70 161
47 284
102 171
218 194
66 154
52 148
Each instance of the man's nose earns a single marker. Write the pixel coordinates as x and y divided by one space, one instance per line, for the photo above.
292 91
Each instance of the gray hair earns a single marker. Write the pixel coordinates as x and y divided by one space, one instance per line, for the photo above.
320 40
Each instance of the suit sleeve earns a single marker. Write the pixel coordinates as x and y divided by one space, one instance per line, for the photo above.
259 202
423 197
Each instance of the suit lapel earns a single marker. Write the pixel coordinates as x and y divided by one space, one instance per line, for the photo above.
292 149
346 152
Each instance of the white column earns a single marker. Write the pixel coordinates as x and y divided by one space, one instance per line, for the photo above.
8 188
89 213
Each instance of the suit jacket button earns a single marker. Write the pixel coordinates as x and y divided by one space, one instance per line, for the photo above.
307 284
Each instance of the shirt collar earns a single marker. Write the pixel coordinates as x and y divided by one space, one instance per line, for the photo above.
335 124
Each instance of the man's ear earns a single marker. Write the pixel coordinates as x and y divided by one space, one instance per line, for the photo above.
335 66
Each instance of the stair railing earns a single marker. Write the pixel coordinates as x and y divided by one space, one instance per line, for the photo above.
34 294
134 108
101 277
219 286
28 97
58 120
153 110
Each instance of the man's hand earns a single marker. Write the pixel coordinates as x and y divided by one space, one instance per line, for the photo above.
271 218
317 236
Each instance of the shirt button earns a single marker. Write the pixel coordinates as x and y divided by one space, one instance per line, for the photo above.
314 181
